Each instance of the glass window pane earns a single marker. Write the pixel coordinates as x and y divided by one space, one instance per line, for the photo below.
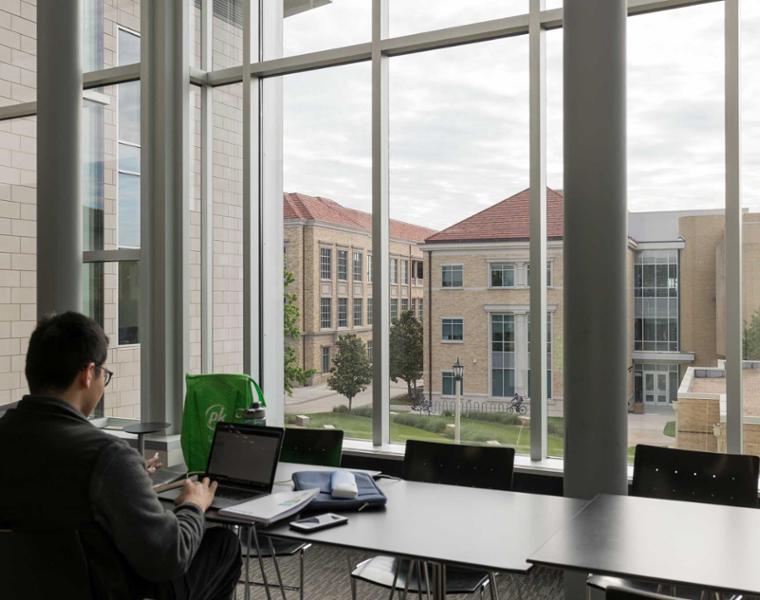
311 25
18 52
129 158
129 211
129 293
227 33
129 112
414 16
129 47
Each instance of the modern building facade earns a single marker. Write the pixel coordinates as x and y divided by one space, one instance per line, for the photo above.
328 248
478 299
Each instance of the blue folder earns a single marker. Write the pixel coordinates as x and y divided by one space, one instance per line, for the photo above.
369 495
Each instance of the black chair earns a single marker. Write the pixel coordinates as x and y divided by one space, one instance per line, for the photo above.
487 467
323 447
45 565
312 446
691 476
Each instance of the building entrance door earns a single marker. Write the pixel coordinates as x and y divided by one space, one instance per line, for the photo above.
656 387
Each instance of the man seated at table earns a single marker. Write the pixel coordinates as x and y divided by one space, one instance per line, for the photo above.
59 472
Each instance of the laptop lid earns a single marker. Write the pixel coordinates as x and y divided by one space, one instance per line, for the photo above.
245 455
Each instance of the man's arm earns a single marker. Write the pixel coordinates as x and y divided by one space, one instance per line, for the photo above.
158 544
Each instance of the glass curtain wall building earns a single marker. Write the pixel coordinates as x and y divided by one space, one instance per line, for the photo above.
340 153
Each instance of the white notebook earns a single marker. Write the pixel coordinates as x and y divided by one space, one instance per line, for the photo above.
273 507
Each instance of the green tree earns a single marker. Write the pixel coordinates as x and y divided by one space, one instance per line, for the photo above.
294 372
406 351
752 337
351 372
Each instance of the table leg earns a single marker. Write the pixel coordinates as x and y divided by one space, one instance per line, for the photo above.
141 445
277 568
439 581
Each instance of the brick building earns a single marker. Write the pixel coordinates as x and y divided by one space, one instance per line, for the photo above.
328 247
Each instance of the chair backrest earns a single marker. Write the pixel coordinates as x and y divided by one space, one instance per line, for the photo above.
614 592
312 446
43 565
459 464
210 399
695 476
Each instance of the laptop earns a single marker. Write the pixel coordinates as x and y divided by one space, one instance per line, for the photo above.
243 461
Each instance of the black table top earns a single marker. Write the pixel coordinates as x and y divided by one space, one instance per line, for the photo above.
472 527
708 545
146 427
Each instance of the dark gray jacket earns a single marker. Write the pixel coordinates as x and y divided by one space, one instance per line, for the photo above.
60 472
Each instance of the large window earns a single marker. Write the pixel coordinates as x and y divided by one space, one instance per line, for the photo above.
655 280
357 266
502 275
342 312
358 312
342 265
502 355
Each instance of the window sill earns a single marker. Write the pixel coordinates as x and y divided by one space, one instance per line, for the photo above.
452 341
551 467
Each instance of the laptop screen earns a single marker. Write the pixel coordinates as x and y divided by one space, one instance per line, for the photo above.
245 455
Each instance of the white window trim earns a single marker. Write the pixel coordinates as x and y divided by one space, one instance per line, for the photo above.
451 287
515 267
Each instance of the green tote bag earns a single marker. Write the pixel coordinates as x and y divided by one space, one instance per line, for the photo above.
212 398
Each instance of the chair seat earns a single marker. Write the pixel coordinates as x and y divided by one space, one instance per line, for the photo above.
379 570
281 547
602 582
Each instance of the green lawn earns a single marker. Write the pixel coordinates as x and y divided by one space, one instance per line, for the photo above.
423 427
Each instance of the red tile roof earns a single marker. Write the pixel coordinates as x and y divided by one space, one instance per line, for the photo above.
508 220
315 208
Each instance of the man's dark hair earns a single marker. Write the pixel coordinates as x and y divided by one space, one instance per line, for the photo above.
60 347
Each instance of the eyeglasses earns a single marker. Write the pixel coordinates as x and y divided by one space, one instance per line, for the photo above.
107 375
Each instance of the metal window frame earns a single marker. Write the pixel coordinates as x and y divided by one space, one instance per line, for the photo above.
263 156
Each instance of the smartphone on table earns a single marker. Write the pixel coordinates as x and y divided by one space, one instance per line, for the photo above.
318 522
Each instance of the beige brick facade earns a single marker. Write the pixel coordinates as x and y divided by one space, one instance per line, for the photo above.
303 241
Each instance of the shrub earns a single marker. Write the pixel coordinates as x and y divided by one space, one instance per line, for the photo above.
432 424
495 417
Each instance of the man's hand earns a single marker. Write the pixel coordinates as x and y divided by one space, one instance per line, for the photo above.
153 464
200 493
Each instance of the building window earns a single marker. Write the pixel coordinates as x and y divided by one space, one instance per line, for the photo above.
325 313
369 351
394 270
394 309
548 274
325 359
502 275
404 305
656 383
358 312
404 272
452 330
369 268
451 276
449 384
369 311
342 312
357 266
502 355
342 265
420 303
417 270
325 263
129 286
128 146
655 291
548 355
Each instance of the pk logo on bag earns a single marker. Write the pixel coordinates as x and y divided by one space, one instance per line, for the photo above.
214 414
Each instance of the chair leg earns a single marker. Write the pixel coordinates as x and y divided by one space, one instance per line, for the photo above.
408 578
277 568
395 578
300 567
427 581
419 580
492 585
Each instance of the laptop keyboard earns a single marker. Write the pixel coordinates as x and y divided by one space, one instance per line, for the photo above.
234 493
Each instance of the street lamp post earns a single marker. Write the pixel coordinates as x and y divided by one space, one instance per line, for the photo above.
458 372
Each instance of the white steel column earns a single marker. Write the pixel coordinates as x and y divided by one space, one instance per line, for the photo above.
380 233
272 219
59 170
734 323
207 192
164 206
251 196
538 415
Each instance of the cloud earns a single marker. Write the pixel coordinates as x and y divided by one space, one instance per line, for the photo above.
458 125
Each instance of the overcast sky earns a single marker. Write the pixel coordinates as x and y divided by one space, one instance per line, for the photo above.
459 117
